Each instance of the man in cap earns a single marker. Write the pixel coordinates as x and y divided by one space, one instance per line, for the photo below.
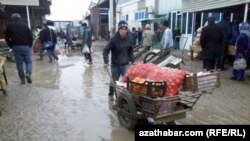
211 43
19 37
121 47
87 40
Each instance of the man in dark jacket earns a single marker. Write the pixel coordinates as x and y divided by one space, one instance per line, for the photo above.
211 43
121 47
139 35
19 37
226 27
87 39
134 36
176 37
46 35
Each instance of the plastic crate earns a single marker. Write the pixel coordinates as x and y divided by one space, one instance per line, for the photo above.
157 106
148 88
204 82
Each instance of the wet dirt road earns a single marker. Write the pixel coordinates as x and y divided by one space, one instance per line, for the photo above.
68 102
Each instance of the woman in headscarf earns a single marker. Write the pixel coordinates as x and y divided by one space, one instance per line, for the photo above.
241 46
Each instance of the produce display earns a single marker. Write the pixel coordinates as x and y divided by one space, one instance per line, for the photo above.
150 72
196 45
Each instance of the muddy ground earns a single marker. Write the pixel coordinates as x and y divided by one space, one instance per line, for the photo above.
68 101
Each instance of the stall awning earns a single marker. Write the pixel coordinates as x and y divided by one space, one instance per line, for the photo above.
20 2
203 5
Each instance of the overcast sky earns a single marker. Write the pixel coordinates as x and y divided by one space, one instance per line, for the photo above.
69 9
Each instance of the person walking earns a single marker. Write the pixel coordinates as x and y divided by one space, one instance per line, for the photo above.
48 35
87 40
121 47
147 36
19 37
211 43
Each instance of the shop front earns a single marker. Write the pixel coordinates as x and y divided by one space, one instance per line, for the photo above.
201 9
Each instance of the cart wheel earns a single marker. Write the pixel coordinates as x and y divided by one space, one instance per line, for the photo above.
142 121
149 56
126 102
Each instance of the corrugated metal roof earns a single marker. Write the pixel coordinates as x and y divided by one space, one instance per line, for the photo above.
92 4
202 5
122 1
20 2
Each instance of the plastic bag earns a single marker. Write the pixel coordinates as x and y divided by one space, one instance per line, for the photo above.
48 44
85 49
58 51
240 63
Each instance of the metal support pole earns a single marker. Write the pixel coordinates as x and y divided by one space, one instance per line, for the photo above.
246 11
111 15
201 25
28 15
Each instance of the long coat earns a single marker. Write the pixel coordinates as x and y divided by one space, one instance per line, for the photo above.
211 41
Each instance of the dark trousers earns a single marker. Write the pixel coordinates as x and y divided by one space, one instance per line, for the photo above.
23 55
211 64
224 54
147 48
239 74
116 72
51 53
87 56
177 45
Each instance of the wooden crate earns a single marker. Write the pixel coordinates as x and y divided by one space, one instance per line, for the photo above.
148 88
204 82
157 106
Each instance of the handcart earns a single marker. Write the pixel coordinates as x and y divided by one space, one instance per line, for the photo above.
139 52
136 103
166 57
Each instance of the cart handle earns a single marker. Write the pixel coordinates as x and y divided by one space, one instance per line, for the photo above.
112 81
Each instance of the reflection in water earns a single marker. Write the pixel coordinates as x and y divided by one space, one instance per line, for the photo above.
118 133
46 75
88 82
